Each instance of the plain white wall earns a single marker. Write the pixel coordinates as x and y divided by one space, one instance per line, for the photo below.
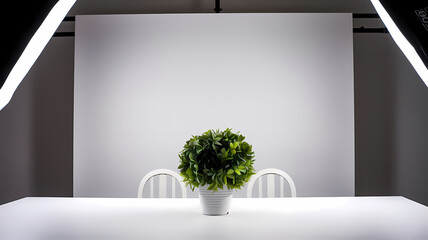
145 83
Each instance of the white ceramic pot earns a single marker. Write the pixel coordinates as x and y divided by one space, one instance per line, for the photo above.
215 203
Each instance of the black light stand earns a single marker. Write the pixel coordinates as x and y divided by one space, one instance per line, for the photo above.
217 8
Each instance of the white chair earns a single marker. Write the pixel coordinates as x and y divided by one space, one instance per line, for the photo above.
271 172
162 173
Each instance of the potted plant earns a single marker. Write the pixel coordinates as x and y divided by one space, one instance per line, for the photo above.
216 162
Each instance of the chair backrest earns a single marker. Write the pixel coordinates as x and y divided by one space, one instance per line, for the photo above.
162 173
271 172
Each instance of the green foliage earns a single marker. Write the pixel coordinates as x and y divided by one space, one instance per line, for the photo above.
218 159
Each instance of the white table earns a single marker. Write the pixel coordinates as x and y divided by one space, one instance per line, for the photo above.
353 218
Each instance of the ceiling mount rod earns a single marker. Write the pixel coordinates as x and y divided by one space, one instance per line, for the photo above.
365 15
69 19
217 8
370 30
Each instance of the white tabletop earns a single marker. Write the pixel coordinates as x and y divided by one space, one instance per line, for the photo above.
280 218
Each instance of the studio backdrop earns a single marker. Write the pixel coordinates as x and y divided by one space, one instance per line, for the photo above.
144 84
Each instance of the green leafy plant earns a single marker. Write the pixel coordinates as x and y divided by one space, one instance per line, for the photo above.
218 159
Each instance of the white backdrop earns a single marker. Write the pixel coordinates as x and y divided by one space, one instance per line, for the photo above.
145 83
